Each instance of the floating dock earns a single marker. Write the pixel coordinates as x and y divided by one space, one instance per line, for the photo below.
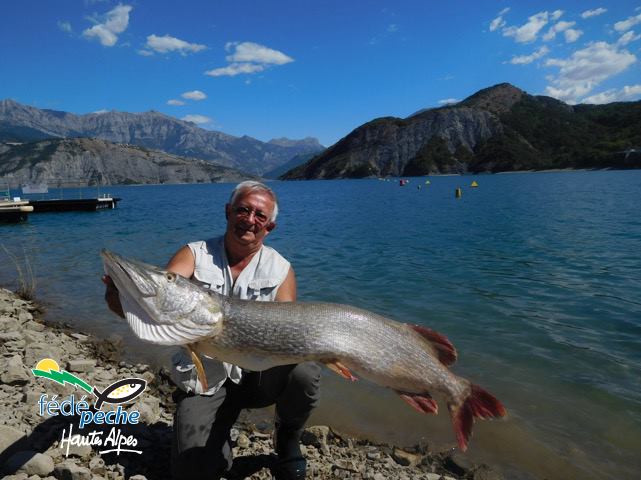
74 205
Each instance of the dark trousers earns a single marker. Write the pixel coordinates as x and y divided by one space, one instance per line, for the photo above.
202 424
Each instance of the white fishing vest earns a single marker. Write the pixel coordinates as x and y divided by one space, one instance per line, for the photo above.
259 281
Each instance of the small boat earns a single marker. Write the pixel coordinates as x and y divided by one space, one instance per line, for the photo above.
14 211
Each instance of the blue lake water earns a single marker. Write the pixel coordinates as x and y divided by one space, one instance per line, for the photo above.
536 278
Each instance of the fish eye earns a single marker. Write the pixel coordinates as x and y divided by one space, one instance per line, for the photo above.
170 276
132 385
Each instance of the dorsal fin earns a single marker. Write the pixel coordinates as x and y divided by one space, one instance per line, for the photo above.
444 349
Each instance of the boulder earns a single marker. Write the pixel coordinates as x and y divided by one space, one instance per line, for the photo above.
71 471
81 365
14 372
30 462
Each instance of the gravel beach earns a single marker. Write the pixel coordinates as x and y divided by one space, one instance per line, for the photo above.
40 419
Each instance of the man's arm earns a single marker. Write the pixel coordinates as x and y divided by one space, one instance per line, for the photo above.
287 290
183 262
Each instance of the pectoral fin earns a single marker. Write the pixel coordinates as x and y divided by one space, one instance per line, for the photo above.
337 367
423 403
200 370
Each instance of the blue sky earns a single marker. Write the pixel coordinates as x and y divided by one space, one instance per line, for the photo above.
302 68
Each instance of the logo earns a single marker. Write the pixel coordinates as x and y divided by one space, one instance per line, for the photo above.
122 391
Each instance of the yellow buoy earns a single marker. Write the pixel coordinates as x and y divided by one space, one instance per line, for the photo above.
458 192
474 184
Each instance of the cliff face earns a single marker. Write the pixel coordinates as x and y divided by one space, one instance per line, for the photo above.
84 161
386 146
152 130
500 128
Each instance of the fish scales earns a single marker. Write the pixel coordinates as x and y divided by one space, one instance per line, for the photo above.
164 308
281 333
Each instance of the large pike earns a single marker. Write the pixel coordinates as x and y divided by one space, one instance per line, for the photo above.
164 308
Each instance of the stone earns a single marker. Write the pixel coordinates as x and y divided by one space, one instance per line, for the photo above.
14 372
242 441
138 477
149 408
71 471
316 436
405 458
8 324
483 472
458 463
30 462
10 336
81 365
27 318
75 450
97 465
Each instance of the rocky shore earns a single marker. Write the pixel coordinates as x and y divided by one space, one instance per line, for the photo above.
40 419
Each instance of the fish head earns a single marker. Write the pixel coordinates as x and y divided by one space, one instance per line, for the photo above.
160 306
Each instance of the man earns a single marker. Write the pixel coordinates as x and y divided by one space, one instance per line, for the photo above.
237 264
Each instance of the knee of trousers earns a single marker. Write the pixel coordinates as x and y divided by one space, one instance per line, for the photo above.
302 392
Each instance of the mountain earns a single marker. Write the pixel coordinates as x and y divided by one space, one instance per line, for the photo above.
500 128
293 163
22 123
86 161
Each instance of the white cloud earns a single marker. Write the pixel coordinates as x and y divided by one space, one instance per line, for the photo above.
585 69
628 92
556 14
392 28
167 43
628 37
249 52
526 59
499 22
448 101
249 57
528 31
145 53
116 22
557 28
194 95
627 24
197 119
593 13
65 26
572 35
175 103
235 69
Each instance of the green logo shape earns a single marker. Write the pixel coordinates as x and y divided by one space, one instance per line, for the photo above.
61 377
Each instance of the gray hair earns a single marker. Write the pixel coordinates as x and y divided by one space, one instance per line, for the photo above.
253 186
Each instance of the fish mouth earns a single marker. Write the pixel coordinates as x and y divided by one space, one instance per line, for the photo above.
135 283
130 274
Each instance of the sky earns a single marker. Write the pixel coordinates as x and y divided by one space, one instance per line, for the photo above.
271 69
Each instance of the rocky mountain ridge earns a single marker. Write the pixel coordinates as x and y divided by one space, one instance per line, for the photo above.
87 161
500 128
152 130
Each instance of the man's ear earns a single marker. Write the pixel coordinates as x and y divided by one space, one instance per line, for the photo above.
227 207
270 226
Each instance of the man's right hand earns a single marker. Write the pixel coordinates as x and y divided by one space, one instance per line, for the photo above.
111 296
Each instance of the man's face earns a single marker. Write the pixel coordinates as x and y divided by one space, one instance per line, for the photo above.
248 218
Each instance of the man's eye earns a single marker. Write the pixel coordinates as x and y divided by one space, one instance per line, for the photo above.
261 216
243 210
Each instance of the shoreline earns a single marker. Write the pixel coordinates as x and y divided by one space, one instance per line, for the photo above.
34 446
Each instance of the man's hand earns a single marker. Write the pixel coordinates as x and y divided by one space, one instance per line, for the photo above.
111 296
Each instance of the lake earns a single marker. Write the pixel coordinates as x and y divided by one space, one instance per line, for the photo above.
535 278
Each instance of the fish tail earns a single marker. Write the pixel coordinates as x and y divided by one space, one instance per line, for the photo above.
478 404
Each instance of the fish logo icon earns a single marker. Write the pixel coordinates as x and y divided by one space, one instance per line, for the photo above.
122 391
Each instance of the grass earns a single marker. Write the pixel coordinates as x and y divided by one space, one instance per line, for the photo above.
26 281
